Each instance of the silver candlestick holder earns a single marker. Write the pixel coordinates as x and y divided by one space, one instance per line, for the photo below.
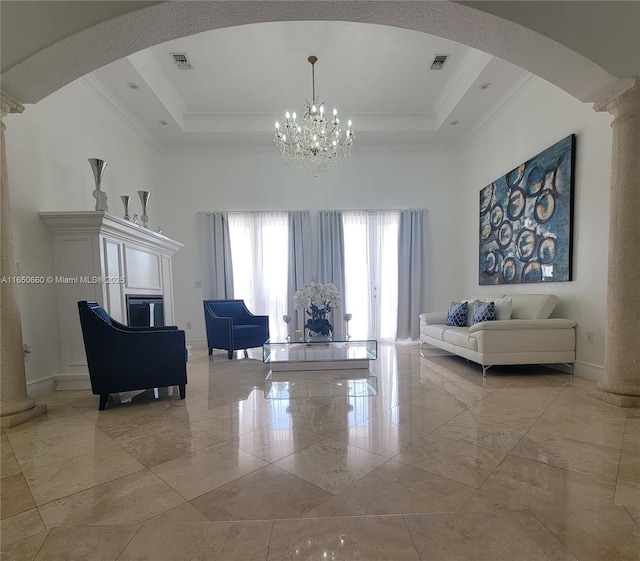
97 166
287 319
347 318
144 199
125 201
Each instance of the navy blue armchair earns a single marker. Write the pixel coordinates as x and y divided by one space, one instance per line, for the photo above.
123 358
230 326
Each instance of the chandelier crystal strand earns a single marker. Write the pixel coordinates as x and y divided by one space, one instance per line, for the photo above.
316 144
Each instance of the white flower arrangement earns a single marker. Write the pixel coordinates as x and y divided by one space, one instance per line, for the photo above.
318 300
322 296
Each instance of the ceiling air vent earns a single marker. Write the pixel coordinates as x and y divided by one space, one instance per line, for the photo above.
438 62
181 61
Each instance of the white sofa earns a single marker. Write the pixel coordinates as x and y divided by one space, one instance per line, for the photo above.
531 336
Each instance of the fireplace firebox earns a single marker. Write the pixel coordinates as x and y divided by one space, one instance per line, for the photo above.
145 310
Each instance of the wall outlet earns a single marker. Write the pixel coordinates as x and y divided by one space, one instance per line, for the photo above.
198 284
188 325
590 337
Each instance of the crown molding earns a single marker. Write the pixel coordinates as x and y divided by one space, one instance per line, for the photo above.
264 122
498 107
255 149
96 87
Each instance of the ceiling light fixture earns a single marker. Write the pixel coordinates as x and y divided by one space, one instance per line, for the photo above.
316 144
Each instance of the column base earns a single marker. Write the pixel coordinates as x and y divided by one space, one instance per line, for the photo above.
614 398
8 421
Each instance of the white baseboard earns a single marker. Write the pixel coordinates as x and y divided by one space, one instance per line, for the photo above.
40 387
72 382
591 372
197 343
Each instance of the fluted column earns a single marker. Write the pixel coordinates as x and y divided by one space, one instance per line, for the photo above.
15 406
621 384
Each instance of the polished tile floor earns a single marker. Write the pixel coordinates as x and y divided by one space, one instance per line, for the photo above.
437 466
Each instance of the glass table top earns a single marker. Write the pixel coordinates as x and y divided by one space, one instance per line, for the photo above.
282 350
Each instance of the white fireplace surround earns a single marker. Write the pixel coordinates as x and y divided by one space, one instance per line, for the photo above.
101 257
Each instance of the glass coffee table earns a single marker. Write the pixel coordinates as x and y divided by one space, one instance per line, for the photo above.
284 355
305 369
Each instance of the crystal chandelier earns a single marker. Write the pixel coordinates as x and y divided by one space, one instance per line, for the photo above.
316 144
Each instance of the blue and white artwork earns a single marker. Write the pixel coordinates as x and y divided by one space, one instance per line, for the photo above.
526 220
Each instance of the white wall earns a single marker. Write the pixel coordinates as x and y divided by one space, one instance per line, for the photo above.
258 180
539 117
47 150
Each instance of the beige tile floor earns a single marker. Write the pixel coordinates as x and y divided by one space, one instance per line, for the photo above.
437 466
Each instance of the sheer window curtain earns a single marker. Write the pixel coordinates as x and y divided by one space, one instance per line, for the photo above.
215 255
371 273
358 286
387 281
330 262
300 262
411 272
259 242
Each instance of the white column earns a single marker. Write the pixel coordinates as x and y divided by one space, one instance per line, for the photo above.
621 384
15 406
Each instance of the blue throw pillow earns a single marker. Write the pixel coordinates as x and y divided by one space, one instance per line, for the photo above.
457 314
484 311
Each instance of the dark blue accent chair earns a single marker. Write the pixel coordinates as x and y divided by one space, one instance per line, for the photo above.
230 326
123 358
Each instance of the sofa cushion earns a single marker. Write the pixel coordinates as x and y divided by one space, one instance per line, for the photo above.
434 330
533 306
244 331
484 311
457 314
504 307
460 337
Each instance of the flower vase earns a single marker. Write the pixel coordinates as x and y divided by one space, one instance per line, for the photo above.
97 167
314 337
144 199
125 201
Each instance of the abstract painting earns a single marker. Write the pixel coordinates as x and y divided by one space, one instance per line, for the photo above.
526 220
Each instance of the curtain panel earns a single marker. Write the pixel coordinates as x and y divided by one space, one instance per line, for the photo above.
300 262
215 255
330 259
411 272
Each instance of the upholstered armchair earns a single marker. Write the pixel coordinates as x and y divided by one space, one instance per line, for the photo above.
230 326
123 358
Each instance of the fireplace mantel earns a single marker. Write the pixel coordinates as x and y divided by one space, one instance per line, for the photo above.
101 257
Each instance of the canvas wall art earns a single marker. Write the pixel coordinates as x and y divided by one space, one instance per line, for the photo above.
526 220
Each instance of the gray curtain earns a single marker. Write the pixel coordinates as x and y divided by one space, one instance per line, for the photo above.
300 262
330 261
217 269
411 272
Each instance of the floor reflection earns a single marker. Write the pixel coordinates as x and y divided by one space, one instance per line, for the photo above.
354 465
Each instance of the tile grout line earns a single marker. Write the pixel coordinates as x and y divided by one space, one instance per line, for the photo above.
548 530
507 455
